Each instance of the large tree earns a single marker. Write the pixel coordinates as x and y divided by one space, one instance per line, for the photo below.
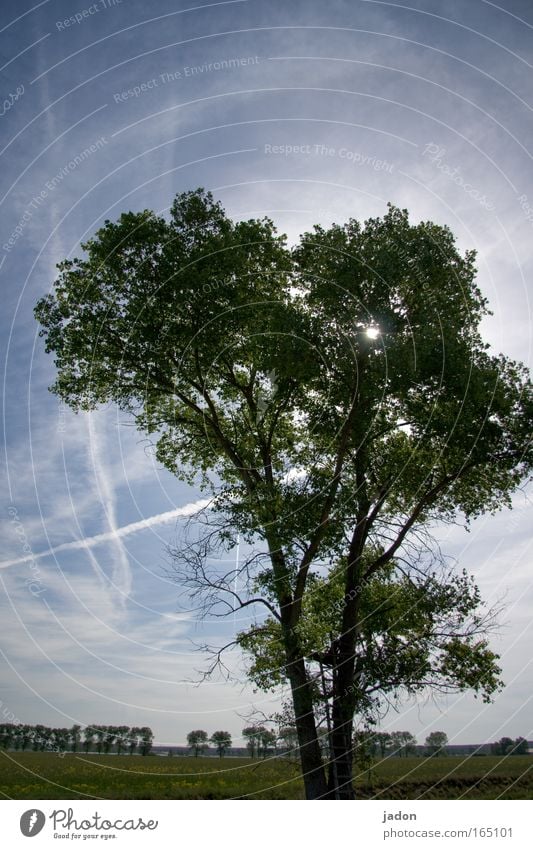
336 400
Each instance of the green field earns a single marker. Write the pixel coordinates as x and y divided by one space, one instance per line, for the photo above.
37 775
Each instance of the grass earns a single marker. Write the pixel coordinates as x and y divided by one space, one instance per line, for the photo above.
36 775
488 777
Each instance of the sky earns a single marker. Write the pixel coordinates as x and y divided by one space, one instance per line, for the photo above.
307 112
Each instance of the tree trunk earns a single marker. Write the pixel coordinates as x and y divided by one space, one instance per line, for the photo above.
313 773
310 755
342 717
344 679
340 784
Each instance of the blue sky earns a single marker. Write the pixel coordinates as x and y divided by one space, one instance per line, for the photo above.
307 112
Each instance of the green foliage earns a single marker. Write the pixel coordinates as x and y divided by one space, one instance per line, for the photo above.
364 749
382 742
403 743
436 743
288 736
520 746
99 738
267 741
251 735
181 322
507 746
221 740
260 740
332 451
415 633
198 740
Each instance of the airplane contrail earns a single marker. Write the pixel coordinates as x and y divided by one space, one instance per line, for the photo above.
122 577
125 530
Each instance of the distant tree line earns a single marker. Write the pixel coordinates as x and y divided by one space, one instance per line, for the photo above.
507 746
93 738
199 741
260 741
369 744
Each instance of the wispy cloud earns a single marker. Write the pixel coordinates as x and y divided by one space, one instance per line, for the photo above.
121 566
116 533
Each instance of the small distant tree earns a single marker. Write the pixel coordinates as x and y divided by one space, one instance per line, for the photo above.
383 741
39 739
61 736
26 736
251 736
403 742
110 737
222 742
133 739
364 740
88 738
122 738
521 746
502 746
100 731
364 748
267 741
436 743
7 733
198 741
75 736
47 738
147 738
288 735
287 732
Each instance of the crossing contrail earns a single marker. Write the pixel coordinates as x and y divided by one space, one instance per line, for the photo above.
116 533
